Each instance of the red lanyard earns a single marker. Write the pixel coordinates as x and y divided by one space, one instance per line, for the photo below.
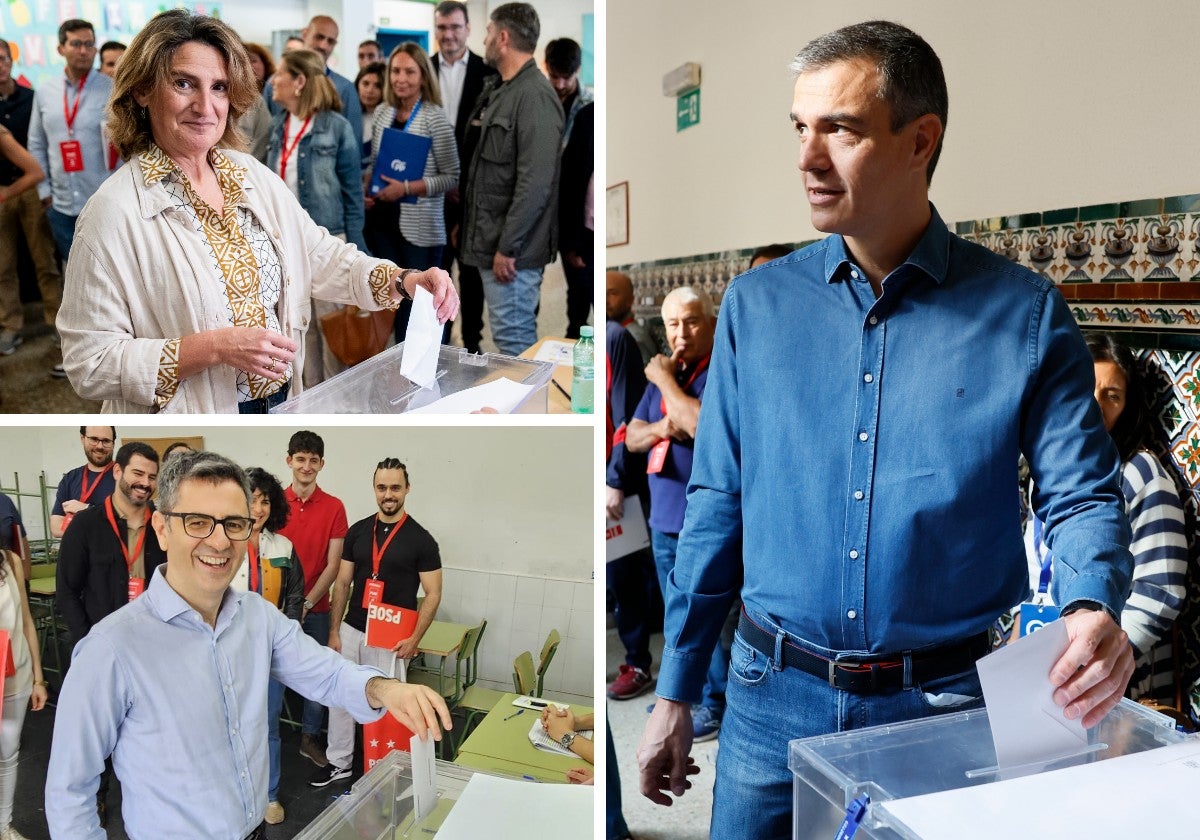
703 364
378 550
252 553
69 115
88 491
122 538
286 152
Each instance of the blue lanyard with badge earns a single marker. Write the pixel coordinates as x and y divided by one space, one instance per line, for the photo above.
1038 612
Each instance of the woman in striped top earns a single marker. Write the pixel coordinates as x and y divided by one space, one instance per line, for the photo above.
1158 545
398 229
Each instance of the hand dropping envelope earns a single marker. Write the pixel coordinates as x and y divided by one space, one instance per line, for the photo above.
422 342
1027 726
424 776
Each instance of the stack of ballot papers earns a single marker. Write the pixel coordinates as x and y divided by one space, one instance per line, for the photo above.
509 809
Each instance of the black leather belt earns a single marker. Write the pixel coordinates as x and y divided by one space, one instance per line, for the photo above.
868 676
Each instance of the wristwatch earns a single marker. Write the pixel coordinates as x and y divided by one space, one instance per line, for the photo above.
400 283
308 605
567 740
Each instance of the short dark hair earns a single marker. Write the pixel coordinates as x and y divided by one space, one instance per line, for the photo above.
179 444
198 466
305 441
112 45
264 482
83 429
375 68
135 447
391 464
771 252
911 80
372 43
520 21
1129 432
73 25
564 56
449 7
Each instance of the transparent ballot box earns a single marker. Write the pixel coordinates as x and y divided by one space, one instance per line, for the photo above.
380 805
930 756
376 386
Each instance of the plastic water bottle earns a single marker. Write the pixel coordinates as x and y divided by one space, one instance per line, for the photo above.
585 372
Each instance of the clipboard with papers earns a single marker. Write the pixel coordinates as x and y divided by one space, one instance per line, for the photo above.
402 156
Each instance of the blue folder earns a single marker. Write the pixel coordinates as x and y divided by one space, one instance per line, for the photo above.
402 156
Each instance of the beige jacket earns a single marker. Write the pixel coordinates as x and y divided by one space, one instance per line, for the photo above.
139 275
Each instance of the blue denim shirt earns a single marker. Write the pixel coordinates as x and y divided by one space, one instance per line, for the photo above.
855 473
330 173
48 131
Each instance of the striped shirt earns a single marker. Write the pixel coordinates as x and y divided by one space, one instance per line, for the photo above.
424 223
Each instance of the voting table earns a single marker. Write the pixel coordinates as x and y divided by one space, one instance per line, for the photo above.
559 395
894 764
500 744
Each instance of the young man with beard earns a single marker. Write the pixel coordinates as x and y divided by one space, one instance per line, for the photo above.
89 484
388 549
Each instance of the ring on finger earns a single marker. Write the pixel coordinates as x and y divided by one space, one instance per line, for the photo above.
273 361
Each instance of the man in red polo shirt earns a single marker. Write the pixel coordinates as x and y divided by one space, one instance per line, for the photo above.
317 528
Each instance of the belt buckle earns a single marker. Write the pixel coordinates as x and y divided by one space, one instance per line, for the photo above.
833 673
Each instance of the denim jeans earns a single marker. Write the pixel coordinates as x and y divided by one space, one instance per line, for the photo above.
665 546
767 708
274 709
316 625
62 228
615 827
512 308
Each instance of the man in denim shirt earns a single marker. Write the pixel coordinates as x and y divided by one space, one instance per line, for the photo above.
855 466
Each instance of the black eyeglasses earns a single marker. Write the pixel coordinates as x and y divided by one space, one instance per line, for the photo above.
199 526
95 441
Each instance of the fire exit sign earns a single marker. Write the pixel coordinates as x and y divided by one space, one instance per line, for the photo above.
687 110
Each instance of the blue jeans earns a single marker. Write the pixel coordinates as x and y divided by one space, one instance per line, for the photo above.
512 309
316 625
62 228
274 708
614 819
665 546
631 581
767 708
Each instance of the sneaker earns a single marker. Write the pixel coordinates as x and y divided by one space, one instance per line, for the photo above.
705 724
630 682
9 342
58 372
330 775
310 749
274 814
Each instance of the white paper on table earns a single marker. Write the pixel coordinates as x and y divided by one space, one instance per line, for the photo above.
422 341
509 809
559 352
424 776
1115 799
502 394
1027 726
540 738
628 534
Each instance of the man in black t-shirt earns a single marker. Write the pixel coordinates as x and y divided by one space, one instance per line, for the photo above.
391 549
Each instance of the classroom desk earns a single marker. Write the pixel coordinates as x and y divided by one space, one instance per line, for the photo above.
558 403
442 639
42 586
502 746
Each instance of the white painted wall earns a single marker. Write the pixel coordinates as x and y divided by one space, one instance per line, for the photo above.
1051 105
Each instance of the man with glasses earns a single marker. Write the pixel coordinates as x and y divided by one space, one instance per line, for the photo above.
107 556
386 558
21 214
174 686
64 133
88 485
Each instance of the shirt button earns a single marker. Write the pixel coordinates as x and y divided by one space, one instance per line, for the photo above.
873 320
868 378
858 494
854 554
862 436
851 615
854 274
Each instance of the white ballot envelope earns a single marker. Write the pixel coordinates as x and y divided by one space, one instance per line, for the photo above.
422 341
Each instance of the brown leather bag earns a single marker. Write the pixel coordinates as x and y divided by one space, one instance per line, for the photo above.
355 335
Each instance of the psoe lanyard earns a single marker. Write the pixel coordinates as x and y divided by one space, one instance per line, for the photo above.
252 554
662 403
285 153
377 550
88 491
122 538
69 114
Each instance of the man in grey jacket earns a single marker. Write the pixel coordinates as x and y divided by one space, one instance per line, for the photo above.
511 197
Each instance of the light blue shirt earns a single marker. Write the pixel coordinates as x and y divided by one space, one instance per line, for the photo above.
48 128
855 472
182 708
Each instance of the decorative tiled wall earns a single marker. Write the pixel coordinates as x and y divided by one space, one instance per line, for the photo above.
521 611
